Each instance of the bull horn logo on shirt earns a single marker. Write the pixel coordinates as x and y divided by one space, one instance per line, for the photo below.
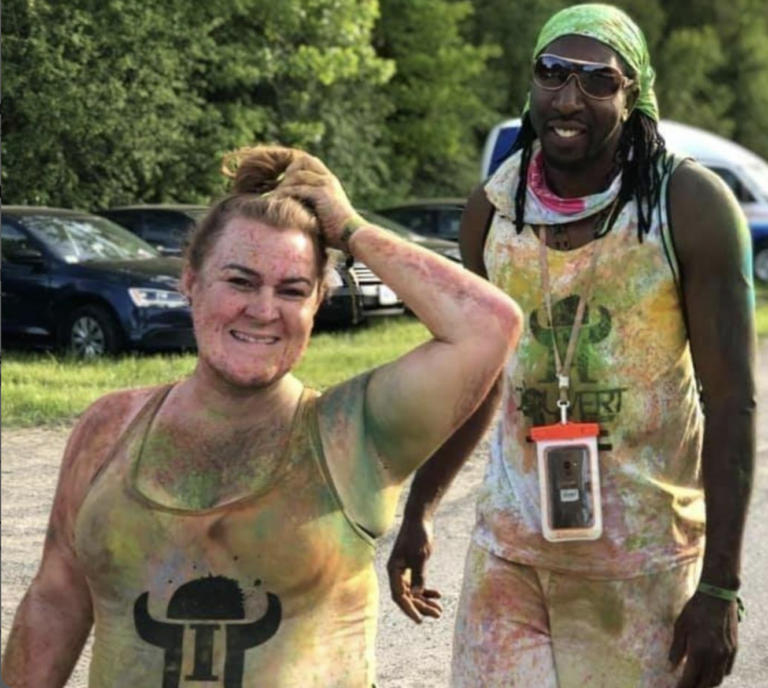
206 606
563 316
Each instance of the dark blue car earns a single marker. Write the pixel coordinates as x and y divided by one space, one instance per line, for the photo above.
85 284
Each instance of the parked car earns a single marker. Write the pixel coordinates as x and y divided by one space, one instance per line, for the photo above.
88 285
744 172
166 226
437 218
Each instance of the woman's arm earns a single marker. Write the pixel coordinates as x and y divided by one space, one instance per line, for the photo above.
55 616
51 624
416 402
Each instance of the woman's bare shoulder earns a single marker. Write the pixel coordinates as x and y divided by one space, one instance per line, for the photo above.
90 445
102 424
120 407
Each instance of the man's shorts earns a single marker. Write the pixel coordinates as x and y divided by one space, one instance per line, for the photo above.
530 628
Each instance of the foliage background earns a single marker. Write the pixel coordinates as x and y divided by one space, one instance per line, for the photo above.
121 101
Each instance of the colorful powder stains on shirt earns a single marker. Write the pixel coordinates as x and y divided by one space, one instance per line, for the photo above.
275 589
521 626
632 374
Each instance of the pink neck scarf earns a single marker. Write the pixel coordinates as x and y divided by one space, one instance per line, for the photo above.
544 206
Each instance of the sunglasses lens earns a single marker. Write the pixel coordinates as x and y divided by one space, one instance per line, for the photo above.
551 72
598 81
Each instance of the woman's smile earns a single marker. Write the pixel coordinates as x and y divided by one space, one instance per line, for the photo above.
260 339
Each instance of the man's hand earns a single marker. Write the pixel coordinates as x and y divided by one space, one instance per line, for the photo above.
406 566
706 634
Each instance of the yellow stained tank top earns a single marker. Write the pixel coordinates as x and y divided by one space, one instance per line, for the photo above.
632 374
274 590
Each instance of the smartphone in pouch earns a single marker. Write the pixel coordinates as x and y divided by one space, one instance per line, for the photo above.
570 487
569 480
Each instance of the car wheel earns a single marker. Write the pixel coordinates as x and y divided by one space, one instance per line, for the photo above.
761 263
91 332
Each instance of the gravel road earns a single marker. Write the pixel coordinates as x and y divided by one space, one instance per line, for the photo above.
409 656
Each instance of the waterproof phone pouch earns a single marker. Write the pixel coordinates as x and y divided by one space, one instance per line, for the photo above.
569 481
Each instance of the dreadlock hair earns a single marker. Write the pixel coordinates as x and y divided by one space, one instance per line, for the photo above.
641 156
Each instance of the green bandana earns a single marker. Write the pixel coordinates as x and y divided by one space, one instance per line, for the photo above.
613 27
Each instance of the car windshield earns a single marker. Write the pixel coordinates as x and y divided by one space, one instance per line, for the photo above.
78 239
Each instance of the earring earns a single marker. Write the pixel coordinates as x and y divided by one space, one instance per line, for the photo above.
625 115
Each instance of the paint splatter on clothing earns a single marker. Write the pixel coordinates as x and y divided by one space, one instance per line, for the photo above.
274 589
632 374
522 626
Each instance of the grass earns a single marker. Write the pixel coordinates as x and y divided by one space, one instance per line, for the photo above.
43 389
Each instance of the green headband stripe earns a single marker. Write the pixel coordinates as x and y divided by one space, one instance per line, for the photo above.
613 27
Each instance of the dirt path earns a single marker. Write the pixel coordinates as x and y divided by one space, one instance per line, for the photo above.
409 656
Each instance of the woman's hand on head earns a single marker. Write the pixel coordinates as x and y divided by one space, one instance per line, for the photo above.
309 180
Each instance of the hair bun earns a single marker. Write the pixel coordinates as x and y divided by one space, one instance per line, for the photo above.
257 169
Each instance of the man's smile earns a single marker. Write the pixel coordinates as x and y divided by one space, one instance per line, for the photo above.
566 130
566 133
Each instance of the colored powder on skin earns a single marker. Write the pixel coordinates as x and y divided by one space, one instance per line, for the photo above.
230 474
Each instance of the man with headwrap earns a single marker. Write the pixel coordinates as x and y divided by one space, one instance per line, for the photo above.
633 269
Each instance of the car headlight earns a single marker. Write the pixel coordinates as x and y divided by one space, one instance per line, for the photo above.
157 298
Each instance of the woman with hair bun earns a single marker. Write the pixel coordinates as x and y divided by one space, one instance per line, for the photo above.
220 530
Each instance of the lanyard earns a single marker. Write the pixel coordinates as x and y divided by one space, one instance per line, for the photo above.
563 368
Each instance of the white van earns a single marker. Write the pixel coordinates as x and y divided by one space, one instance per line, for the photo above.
743 171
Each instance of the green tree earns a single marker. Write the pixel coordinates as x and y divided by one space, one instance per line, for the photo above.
743 27
714 68
436 93
98 108
303 73
687 87
113 101
513 26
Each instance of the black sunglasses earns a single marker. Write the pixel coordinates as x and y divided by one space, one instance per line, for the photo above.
595 79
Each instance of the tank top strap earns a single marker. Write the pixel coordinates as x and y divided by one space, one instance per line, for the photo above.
671 162
136 428
302 432
311 425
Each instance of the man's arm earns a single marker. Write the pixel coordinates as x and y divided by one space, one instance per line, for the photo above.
55 616
413 545
712 243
